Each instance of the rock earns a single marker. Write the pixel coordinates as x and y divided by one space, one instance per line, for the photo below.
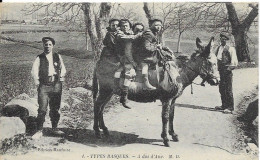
80 92
15 111
11 126
71 102
26 97
251 113
27 104
25 108
23 96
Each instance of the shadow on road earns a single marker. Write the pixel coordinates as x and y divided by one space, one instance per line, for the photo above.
196 107
116 139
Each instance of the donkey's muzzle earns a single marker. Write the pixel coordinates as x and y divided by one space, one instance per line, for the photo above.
213 82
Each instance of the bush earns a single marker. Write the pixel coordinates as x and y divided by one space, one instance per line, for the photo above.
17 143
15 80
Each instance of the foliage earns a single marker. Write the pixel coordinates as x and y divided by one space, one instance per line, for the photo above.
78 113
15 144
14 82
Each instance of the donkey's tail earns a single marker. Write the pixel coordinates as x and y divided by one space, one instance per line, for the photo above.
94 85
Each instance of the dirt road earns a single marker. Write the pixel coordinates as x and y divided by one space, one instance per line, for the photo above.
135 134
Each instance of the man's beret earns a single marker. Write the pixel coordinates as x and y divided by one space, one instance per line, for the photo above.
45 39
224 37
138 23
112 20
122 21
151 21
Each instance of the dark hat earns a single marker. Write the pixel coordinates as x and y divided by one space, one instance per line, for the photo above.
138 23
124 21
112 20
45 39
151 21
224 37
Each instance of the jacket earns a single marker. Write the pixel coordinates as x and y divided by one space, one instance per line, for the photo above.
109 43
145 47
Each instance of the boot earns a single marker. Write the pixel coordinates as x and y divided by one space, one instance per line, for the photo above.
57 132
148 86
123 98
55 117
40 120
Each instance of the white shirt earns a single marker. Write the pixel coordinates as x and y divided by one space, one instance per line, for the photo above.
233 54
36 65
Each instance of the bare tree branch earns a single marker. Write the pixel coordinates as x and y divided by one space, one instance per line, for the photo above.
251 16
35 7
147 11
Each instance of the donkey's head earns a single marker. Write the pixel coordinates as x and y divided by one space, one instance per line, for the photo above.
207 62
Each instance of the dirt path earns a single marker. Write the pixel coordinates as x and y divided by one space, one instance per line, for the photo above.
203 133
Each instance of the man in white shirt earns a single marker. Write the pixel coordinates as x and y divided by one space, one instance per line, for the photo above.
227 61
48 72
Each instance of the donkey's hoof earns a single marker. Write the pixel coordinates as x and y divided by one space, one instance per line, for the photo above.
106 132
166 143
98 135
175 137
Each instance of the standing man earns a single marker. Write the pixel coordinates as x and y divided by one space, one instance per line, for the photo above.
227 61
48 72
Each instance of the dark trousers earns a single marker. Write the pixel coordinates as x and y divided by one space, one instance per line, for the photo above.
49 95
225 89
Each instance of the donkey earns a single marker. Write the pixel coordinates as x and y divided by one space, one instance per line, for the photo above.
203 63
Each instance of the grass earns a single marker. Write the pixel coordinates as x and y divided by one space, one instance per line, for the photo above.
22 27
16 67
64 40
15 80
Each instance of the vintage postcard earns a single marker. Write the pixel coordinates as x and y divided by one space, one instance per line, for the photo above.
129 80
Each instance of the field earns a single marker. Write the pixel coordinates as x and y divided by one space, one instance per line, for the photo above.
17 58
23 27
15 69
74 43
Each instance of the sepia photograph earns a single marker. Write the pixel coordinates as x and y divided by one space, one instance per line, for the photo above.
171 80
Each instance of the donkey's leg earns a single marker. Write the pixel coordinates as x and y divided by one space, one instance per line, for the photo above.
101 119
165 119
171 117
101 99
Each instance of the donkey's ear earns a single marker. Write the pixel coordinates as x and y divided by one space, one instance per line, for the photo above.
211 41
198 44
206 52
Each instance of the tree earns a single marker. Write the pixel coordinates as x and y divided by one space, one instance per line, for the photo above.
223 17
164 12
240 29
95 17
213 17
186 18
95 24
178 17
